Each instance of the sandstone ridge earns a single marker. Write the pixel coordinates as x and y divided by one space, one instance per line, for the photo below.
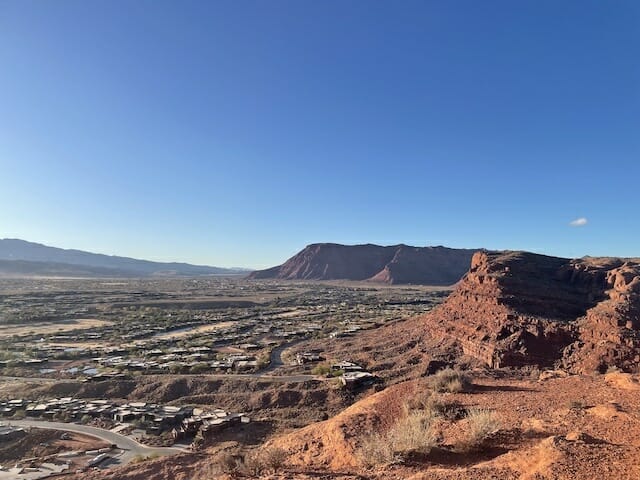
519 308
397 264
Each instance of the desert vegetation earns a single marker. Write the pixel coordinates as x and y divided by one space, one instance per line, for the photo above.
249 465
450 380
424 414
480 424
412 434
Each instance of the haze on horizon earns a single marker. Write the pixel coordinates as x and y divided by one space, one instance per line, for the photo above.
235 133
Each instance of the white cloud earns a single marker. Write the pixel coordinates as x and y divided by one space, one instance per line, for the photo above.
579 222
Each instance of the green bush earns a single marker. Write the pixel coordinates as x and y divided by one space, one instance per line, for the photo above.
321 369
199 368
18 415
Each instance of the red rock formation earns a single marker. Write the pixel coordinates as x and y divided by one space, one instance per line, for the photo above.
396 264
517 308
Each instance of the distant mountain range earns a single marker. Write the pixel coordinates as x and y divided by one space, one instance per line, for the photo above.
22 258
396 264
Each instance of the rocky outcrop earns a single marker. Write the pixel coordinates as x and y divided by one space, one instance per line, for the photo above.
518 308
398 264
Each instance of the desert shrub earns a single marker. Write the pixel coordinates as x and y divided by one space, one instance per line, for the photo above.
577 405
228 463
416 402
263 361
144 458
61 417
273 458
411 434
449 380
445 409
261 461
375 449
414 433
176 368
19 415
436 406
199 368
320 369
481 423
225 462
253 465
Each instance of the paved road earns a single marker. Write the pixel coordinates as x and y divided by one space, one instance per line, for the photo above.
276 356
130 447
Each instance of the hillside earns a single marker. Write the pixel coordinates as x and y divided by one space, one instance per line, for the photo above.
397 264
36 259
518 308
559 428
23 268
515 309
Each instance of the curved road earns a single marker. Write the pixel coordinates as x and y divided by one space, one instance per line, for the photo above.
275 360
130 447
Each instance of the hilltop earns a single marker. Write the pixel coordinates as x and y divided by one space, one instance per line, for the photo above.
23 258
396 264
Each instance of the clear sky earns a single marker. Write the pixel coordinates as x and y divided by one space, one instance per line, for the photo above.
235 133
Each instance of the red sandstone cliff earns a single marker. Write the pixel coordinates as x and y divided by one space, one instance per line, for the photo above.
517 308
396 264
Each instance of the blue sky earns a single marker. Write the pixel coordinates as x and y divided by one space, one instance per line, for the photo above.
235 133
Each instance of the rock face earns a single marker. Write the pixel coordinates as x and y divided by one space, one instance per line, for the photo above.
396 264
518 308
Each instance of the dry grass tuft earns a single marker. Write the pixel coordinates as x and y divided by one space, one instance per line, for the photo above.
481 423
412 434
436 406
253 464
268 459
450 381
376 450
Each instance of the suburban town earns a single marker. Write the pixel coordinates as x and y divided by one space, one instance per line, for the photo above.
96 334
